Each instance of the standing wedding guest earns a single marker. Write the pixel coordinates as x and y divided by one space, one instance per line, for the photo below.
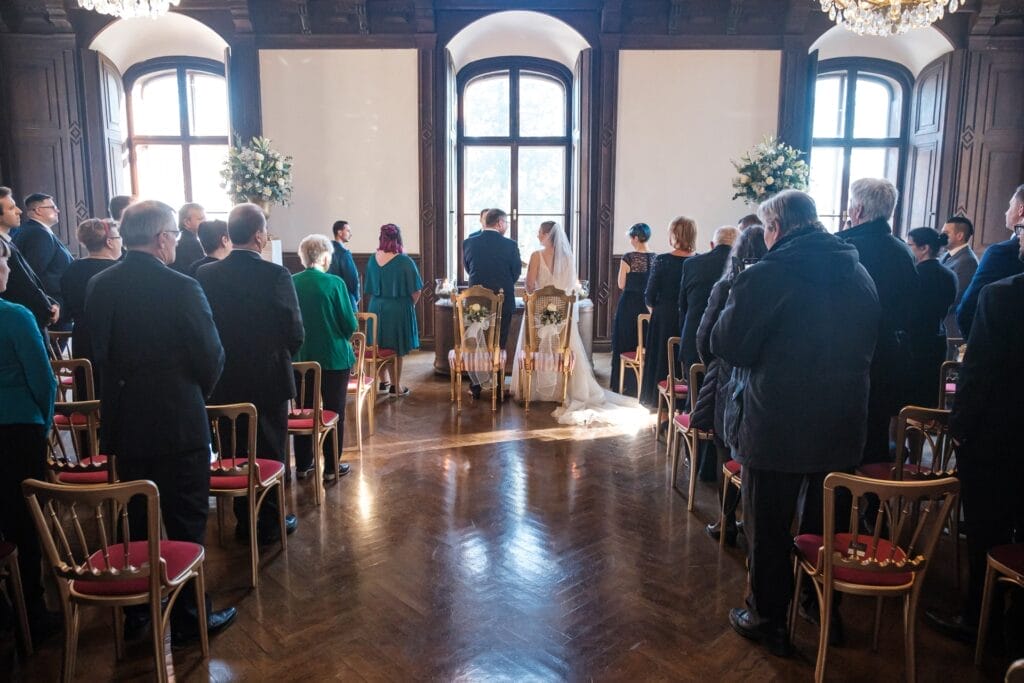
935 293
342 263
257 316
26 411
23 287
394 285
700 274
708 413
117 205
216 241
999 261
961 259
492 260
102 239
156 349
662 299
748 221
329 321
189 249
803 411
889 262
985 423
633 271
41 248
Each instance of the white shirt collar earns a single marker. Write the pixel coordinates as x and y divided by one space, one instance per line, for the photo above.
956 250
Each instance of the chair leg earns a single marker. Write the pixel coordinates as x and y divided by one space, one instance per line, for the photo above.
693 445
721 520
158 632
318 468
281 515
954 532
798 580
494 390
204 637
70 643
118 622
221 518
371 412
457 382
825 616
879 604
639 372
254 546
909 623
337 453
359 421
986 609
18 597
622 375
529 376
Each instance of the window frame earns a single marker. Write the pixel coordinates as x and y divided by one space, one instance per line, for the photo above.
181 66
514 66
882 71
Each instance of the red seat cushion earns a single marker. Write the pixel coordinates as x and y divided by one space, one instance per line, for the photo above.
680 388
298 422
67 380
385 353
628 355
683 420
732 467
807 546
76 420
268 470
883 470
87 476
1011 556
179 556
352 386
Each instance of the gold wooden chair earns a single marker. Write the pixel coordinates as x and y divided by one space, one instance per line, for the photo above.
92 568
307 417
362 385
949 375
671 389
74 379
78 462
477 324
11 576
1004 564
913 513
732 477
689 438
548 320
634 360
378 358
236 471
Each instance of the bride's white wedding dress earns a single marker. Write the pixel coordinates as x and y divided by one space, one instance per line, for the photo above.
587 401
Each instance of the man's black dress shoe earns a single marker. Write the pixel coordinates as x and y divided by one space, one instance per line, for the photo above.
474 389
772 636
343 469
836 632
273 535
956 627
305 471
215 623
714 530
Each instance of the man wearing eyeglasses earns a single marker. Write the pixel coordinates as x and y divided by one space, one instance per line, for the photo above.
190 249
23 287
42 249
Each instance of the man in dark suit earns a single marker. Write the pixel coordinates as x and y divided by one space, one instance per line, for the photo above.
700 273
189 249
999 261
23 287
493 261
342 263
117 205
985 423
154 343
891 265
257 315
962 260
43 250
213 235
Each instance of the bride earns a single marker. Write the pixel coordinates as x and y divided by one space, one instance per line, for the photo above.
587 401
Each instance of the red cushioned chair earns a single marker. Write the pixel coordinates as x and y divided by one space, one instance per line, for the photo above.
93 569
913 512
670 389
58 344
634 360
362 385
732 476
689 438
74 379
548 320
236 471
307 417
11 576
477 342
1005 564
377 358
81 464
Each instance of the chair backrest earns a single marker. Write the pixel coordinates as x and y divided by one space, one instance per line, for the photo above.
308 401
548 320
643 321
919 427
58 344
74 376
233 432
949 373
78 538
83 424
910 513
368 326
477 319
675 375
697 373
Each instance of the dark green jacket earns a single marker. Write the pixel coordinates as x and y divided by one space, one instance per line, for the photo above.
328 318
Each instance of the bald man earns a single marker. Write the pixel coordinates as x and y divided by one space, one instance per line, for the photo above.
700 273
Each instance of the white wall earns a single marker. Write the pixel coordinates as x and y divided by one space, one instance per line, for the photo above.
517 33
129 41
915 49
682 116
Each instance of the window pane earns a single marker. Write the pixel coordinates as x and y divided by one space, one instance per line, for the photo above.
155 105
485 107
207 104
830 106
487 179
875 110
541 180
826 184
206 162
541 106
160 173
528 226
879 162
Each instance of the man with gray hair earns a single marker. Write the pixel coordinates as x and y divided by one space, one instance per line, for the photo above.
797 413
700 273
190 249
891 265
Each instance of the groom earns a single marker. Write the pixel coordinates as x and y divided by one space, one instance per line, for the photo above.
492 261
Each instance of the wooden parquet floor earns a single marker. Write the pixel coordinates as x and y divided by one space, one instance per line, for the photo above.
503 548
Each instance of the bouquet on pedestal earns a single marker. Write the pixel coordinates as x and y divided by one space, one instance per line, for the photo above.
768 169
257 173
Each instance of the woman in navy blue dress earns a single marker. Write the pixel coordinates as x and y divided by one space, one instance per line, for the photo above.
633 271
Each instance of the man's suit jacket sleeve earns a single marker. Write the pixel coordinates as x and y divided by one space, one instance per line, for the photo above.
349 274
467 257
24 287
200 337
987 273
38 249
291 325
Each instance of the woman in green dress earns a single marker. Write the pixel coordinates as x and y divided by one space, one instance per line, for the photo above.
394 286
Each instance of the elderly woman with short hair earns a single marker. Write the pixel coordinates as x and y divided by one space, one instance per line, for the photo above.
329 322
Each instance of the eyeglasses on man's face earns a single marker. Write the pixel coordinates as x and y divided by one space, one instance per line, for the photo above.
47 206
175 233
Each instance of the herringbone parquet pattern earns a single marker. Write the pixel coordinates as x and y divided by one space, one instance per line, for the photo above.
496 548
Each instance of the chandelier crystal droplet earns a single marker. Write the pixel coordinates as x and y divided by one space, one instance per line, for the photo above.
887 17
127 9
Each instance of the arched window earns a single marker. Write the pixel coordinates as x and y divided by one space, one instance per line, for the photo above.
514 145
860 120
178 131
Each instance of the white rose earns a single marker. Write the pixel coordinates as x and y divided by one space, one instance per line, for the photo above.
744 179
475 307
788 171
279 166
258 156
266 191
780 160
551 308
769 180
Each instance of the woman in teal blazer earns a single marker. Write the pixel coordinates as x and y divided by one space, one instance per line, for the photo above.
27 389
329 322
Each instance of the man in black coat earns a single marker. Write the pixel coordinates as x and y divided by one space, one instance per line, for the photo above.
154 343
891 265
342 263
190 250
43 250
23 287
257 314
985 423
799 328
700 273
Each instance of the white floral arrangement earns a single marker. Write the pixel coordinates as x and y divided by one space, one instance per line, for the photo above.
257 173
768 169
475 313
551 315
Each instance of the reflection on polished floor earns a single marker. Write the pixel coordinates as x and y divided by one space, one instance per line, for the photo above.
497 547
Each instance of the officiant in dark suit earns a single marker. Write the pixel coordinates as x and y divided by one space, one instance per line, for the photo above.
961 259
342 263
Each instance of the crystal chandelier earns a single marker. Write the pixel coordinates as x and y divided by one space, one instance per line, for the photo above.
887 17
126 9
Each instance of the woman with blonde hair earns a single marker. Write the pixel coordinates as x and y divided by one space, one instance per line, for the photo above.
662 299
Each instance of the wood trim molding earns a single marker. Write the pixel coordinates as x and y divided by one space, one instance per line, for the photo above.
603 207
